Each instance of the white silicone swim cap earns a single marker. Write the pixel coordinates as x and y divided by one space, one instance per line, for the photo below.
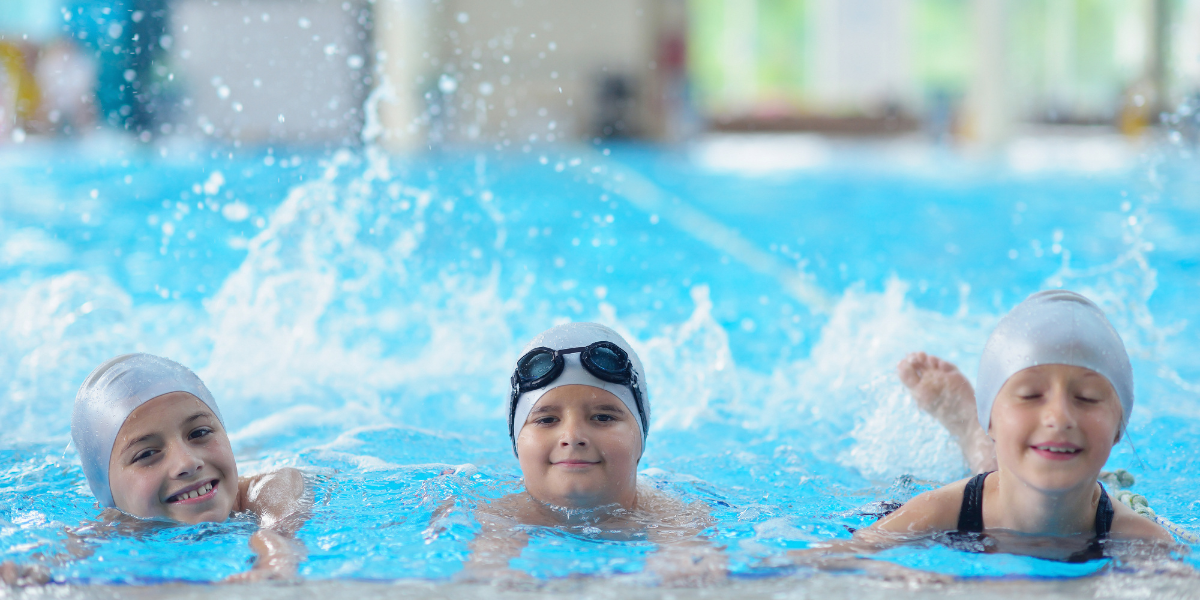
576 335
115 389
1054 327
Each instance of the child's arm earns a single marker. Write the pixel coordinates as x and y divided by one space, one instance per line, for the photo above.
935 510
280 500
683 557
1129 525
498 542
20 575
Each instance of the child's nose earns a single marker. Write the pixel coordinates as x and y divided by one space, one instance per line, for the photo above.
1057 413
572 433
185 462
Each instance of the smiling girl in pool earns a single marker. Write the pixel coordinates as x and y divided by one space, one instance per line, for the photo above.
1055 394
153 446
578 419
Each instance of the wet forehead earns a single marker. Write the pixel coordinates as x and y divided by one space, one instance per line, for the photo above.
165 413
578 397
1069 374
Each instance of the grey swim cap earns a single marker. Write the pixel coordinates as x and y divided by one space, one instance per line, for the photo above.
576 335
115 389
1054 327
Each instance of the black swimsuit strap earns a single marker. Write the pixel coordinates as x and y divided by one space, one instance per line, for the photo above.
970 516
1104 514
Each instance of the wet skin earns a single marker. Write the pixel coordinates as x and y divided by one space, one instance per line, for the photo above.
1053 428
167 448
579 449
579 452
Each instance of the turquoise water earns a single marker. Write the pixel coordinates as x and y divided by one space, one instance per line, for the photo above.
356 316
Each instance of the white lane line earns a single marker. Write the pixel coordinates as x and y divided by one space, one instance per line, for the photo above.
644 194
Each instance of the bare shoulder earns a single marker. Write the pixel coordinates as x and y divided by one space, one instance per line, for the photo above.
273 495
508 511
287 481
666 510
935 510
1128 525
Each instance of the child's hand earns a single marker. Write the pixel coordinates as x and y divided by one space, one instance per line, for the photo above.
23 575
689 565
278 558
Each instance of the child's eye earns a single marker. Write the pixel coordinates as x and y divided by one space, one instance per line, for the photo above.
1087 399
144 454
199 433
546 420
604 418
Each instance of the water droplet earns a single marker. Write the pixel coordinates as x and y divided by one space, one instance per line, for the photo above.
447 84
305 23
463 17
235 211
355 61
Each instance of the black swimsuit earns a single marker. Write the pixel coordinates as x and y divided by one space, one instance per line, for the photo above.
970 520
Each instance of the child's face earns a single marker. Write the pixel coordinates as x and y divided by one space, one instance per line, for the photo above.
580 448
1054 426
172 459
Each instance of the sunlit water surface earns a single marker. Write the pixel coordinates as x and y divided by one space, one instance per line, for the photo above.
356 316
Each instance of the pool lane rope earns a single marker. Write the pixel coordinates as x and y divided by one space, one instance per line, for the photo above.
1120 481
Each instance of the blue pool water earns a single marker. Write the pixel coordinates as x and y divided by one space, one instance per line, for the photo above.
356 316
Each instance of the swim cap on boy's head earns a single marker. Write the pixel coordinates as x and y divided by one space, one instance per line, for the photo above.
1054 327
107 397
578 335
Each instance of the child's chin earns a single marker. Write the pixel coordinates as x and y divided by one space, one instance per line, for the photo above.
214 514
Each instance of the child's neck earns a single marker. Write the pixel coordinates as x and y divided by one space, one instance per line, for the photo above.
1010 503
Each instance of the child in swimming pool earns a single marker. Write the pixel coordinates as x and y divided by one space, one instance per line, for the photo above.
578 419
1055 392
153 446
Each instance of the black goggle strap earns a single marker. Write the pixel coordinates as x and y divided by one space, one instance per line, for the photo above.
637 398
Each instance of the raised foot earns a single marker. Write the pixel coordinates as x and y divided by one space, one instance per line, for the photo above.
941 390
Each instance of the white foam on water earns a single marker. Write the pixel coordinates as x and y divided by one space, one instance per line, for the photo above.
345 314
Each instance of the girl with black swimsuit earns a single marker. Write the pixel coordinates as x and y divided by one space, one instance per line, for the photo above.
1055 391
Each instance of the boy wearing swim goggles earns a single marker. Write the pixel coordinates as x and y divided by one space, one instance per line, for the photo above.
578 416
154 446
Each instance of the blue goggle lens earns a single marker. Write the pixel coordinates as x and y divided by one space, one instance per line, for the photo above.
608 360
536 366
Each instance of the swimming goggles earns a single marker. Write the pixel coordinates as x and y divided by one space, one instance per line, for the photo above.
604 360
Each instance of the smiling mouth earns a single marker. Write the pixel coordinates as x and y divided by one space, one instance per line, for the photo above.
1059 450
198 492
575 463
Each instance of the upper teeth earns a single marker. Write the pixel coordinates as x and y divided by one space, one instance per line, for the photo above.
1057 449
200 491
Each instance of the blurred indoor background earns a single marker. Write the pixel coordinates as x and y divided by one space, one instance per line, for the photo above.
516 73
